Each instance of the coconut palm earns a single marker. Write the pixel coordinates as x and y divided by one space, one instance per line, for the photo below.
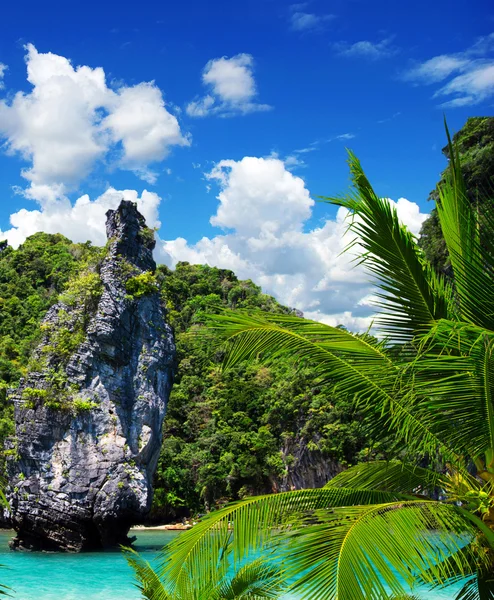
381 527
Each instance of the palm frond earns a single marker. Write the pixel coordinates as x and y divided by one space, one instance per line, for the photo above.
361 365
368 552
148 581
391 476
459 381
478 587
471 258
243 528
479 584
411 294
257 580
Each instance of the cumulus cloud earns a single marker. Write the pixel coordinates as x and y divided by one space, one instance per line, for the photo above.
232 88
82 221
71 119
277 201
139 119
366 49
3 68
265 210
466 77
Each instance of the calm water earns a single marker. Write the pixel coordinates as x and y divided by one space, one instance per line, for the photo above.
91 576
88 576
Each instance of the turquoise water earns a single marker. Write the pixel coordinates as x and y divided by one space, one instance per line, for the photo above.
88 576
92 575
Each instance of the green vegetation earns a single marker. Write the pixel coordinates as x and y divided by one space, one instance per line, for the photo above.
147 235
31 278
428 515
32 396
475 144
246 431
253 581
83 405
85 289
141 285
226 435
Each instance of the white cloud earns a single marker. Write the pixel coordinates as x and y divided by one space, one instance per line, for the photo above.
139 119
71 119
82 221
470 74
3 68
259 197
472 87
303 21
346 136
232 88
366 49
293 161
201 107
436 69
266 209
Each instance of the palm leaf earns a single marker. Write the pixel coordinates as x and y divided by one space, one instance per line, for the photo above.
391 476
411 294
471 258
201 549
460 383
367 552
149 582
256 580
479 587
360 364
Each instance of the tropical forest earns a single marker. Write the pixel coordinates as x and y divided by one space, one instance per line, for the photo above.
247 300
287 458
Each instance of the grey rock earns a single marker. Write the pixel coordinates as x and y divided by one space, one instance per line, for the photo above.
80 480
307 468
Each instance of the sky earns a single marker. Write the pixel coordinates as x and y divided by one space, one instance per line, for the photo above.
227 121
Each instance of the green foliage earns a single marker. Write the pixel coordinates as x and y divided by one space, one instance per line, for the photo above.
32 396
141 285
256 580
147 235
85 289
236 433
379 525
31 279
83 405
475 145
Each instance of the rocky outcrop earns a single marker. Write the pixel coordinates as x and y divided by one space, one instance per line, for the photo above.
307 468
88 416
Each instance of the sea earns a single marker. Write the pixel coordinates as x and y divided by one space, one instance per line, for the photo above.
97 575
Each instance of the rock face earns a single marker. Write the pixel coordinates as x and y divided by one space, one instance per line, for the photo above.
307 468
88 415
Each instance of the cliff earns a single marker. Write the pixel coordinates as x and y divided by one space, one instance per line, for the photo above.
88 415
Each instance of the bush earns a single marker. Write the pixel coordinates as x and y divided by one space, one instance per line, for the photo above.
82 405
31 396
85 290
142 285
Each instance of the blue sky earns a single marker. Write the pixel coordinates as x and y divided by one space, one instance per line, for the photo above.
234 117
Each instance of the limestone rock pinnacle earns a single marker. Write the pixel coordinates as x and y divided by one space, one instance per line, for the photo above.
89 413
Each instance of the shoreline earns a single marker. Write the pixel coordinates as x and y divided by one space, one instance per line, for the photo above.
169 527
